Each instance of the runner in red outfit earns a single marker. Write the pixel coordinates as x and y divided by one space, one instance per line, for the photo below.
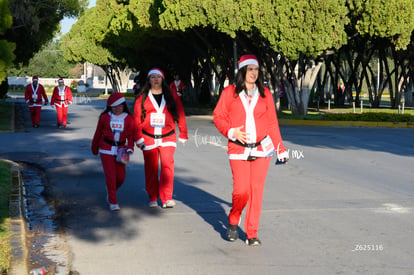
246 115
157 111
61 98
114 136
33 96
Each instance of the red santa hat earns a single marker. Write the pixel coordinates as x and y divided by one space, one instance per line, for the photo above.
156 71
115 99
248 59
35 78
60 80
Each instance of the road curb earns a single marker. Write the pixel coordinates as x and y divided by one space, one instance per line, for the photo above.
293 122
18 263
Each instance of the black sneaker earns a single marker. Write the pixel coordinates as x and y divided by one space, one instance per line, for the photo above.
253 242
232 233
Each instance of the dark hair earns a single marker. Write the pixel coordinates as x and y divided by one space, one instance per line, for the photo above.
109 109
240 82
166 91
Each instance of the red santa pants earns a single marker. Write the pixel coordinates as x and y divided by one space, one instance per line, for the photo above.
248 184
114 175
35 114
162 187
62 114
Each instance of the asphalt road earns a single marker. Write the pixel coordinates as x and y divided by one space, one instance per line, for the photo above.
344 204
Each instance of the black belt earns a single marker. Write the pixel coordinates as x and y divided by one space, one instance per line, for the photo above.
248 145
62 100
158 136
114 143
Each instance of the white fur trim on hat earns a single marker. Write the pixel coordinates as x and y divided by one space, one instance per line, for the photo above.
115 99
119 101
156 71
248 60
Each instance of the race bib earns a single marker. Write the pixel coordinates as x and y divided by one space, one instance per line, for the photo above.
117 125
157 120
267 146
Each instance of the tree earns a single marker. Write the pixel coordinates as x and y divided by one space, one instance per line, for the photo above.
82 44
49 62
381 30
36 22
6 48
301 30
149 30
291 38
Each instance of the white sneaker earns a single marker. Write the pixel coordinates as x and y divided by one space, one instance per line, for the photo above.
169 204
114 207
153 204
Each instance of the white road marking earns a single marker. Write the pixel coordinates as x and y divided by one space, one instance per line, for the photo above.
393 208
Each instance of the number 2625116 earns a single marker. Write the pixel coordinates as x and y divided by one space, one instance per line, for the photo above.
368 247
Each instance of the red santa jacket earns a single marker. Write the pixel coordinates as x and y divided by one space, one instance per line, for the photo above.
258 118
33 95
147 130
61 97
177 88
113 132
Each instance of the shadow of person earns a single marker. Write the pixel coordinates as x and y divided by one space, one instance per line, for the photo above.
208 206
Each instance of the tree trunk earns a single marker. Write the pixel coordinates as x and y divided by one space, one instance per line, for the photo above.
299 91
4 87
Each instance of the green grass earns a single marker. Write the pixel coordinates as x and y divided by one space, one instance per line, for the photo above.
5 116
5 248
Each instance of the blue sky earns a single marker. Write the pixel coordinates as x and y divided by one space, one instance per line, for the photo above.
68 22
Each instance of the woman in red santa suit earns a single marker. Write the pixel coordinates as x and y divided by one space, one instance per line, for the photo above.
246 115
61 98
157 111
114 138
33 96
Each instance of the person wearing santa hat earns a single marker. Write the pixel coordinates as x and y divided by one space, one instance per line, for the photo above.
177 85
114 141
34 96
246 115
157 111
61 98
